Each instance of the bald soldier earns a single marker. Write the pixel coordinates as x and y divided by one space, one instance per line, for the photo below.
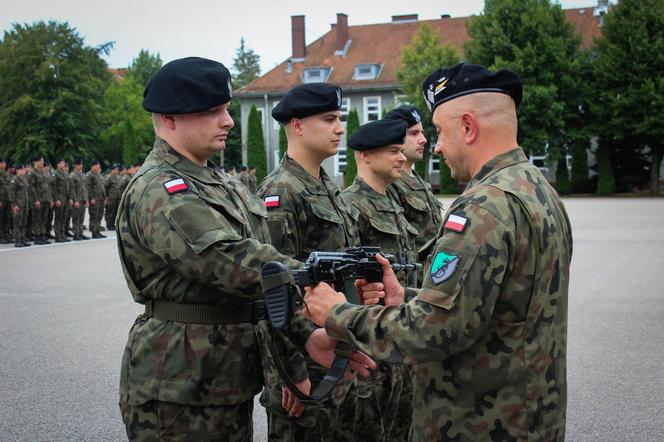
192 242
306 213
378 147
486 333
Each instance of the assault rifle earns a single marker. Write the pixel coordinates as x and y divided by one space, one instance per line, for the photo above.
339 269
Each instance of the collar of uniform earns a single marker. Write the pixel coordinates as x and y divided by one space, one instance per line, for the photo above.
412 181
497 163
199 173
380 201
313 184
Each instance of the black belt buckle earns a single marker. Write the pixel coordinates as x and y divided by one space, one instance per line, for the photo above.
258 311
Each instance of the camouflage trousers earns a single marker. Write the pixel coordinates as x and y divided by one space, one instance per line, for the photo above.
77 216
59 226
378 404
40 218
111 212
96 215
164 421
404 417
20 225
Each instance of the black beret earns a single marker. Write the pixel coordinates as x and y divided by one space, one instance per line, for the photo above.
308 99
186 86
376 134
78 161
94 162
446 84
407 113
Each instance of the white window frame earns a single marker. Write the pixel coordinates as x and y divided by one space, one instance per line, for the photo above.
374 71
275 123
366 111
324 73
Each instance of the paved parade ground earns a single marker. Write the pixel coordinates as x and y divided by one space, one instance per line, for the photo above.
65 312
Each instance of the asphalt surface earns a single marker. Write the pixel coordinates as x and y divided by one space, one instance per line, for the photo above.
65 312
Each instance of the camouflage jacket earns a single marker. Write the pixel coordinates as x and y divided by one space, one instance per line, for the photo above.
382 224
95 185
41 187
202 242
420 206
252 184
19 192
78 187
5 180
112 186
61 189
487 332
306 214
244 179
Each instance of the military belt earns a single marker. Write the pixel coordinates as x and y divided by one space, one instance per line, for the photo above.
251 312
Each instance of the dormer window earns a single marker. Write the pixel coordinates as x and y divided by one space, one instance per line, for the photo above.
315 75
366 71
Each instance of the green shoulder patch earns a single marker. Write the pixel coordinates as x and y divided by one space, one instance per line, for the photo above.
443 267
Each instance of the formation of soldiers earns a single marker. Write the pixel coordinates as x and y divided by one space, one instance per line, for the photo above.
40 203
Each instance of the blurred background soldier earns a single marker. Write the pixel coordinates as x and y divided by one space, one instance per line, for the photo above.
79 194
113 189
5 209
41 188
61 201
97 198
253 185
20 199
243 177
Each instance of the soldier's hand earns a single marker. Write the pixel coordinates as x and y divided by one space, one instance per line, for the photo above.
93 202
320 347
37 204
290 402
77 204
15 209
50 203
318 302
58 203
390 291
70 202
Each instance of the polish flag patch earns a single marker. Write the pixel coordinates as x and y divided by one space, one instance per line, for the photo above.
456 223
175 186
272 201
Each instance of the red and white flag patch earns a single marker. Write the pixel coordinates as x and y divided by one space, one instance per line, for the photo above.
175 186
272 201
456 223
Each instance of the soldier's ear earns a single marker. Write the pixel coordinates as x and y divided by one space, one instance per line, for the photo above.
296 126
167 121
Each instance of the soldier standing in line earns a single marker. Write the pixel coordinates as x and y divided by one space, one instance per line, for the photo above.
20 199
79 195
487 332
97 198
50 173
251 179
124 181
307 212
68 208
5 208
243 176
61 201
41 188
113 193
378 147
192 243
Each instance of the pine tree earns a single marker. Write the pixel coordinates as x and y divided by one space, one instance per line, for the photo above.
283 141
144 66
352 124
246 66
233 150
562 177
256 154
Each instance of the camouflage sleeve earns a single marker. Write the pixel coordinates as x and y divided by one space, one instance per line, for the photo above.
283 222
454 307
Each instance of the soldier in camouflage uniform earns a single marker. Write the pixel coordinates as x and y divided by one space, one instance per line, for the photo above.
97 198
79 195
487 331
48 225
243 176
424 212
20 198
192 242
61 200
41 190
112 185
5 208
251 179
307 212
378 148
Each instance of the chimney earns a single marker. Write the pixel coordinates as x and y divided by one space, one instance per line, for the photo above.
444 16
342 31
297 34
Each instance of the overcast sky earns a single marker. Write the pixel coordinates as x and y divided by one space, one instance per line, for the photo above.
212 29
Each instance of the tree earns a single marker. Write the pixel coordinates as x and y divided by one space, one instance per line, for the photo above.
233 150
424 55
144 66
629 66
256 154
534 39
563 185
605 180
283 141
448 185
51 92
352 124
246 66
128 132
